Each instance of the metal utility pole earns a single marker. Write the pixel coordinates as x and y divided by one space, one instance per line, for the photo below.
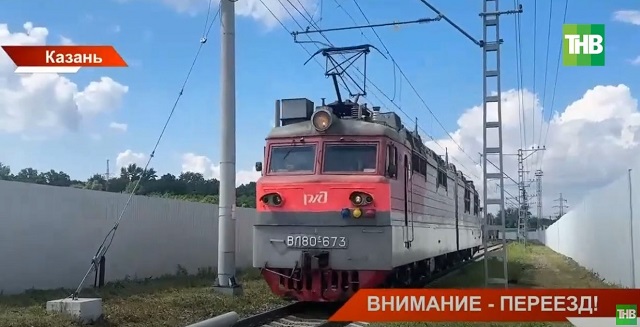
106 183
226 282
523 208
561 206
539 197
491 76
522 199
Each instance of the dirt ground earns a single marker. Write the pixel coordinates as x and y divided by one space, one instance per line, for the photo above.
181 300
535 266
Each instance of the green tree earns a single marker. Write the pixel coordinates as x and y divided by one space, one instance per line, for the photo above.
30 175
55 178
5 172
188 186
131 173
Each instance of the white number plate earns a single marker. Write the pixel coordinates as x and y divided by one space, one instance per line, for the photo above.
317 242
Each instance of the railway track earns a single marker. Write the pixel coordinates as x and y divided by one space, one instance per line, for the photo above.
309 314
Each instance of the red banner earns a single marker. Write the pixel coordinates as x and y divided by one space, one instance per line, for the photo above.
487 305
62 58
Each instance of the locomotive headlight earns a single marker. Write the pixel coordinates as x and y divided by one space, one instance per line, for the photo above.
321 120
272 199
360 198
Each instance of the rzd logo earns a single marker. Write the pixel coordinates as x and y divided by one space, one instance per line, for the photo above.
318 198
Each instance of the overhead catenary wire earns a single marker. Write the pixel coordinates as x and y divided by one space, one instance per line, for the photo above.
313 25
546 73
534 86
518 53
289 32
301 43
396 65
108 239
555 84
392 101
535 55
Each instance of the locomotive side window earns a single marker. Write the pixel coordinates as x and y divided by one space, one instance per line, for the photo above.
350 158
391 160
292 159
442 172
419 165
476 204
467 200
442 177
388 159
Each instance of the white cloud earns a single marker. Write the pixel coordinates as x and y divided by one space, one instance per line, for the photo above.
65 40
627 16
636 62
129 157
592 142
45 103
203 165
248 8
97 97
116 29
118 126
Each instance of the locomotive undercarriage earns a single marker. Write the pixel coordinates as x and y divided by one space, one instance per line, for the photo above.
322 284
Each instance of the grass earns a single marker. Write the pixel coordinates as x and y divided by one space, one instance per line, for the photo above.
183 299
535 266
173 301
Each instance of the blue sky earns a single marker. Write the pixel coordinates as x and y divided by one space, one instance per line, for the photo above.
159 43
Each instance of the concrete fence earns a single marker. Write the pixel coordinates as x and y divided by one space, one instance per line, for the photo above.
49 234
596 233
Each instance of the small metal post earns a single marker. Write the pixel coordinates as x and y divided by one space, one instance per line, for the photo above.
633 257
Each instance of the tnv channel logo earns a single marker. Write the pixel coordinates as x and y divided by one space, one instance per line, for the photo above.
583 44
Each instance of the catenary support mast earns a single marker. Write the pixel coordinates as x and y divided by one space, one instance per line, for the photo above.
226 281
523 197
492 145
539 197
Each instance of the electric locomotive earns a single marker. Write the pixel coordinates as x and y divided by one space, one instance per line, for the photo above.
349 198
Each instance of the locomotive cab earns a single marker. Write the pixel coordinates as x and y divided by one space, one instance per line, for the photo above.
322 198
349 198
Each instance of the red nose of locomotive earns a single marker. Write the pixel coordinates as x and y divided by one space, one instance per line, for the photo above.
309 237
348 200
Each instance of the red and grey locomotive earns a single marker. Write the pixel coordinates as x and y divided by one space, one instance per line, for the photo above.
349 198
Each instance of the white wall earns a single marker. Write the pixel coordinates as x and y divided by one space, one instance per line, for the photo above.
513 235
49 234
596 232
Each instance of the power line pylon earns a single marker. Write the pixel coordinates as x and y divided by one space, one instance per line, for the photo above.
561 206
491 77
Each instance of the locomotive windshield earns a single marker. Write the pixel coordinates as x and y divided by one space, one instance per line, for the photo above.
350 158
293 158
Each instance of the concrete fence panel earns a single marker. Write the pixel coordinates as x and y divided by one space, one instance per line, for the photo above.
49 234
596 232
